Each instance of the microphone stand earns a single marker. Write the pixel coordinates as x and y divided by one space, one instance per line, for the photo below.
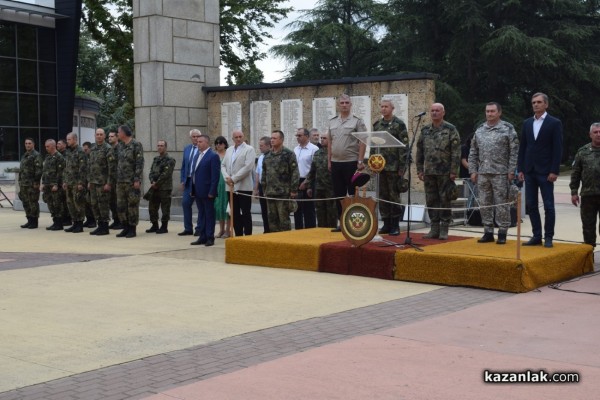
408 241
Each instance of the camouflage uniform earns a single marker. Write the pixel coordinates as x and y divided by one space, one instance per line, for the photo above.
280 177
113 189
493 155
319 177
30 173
52 173
438 155
101 172
395 159
75 174
161 174
130 169
586 171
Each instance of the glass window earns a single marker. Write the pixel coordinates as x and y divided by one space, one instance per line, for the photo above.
75 121
46 44
48 110
47 78
10 150
28 110
27 76
26 42
8 74
8 109
7 39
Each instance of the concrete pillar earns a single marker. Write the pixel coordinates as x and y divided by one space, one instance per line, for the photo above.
176 53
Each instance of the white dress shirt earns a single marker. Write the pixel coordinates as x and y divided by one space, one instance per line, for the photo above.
537 124
304 157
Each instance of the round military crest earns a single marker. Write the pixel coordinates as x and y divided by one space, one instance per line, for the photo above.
376 162
358 221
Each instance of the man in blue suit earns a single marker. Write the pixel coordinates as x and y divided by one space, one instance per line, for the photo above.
206 173
540 152
187 200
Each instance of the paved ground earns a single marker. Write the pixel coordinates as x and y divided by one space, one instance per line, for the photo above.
152 317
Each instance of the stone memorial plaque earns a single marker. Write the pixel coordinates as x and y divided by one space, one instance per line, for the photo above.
291 120
400 102
231 118
323 109
260 121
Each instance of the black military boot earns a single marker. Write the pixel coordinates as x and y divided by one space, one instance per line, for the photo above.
488 237
90 223
77 227
131 233
72 226
116 224
124 232
51 227
33 224
163 227
153 228
102 229
99 228
394 226
58 225
386 226
26 225
501 238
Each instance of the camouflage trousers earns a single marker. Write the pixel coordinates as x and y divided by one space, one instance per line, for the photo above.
436 198
128 203
590 208
279 215
54 201
326 210
30 197
100 202
161 199
76 200
493 189
388 190
113 203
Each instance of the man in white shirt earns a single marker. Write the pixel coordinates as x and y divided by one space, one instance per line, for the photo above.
305 216
237 169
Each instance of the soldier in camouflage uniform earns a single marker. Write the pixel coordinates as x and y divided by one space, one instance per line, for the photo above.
395 160
61 146
319 177
492 164
586 171
438 157
101 180
30 173
90 219
159 195
75 182
130 170
280 179
52 173
113 141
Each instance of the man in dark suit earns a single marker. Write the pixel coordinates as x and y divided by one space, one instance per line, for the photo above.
206 172
187 199
540 152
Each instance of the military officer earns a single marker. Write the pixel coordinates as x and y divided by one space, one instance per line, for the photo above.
52 175
130 169
101 180
161 186
30 173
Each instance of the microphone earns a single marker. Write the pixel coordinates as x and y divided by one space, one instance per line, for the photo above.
421 114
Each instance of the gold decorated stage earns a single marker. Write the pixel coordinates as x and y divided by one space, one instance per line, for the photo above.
460 261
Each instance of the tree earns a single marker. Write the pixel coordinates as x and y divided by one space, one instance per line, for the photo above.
333 40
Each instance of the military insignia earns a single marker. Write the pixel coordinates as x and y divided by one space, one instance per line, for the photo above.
376 162
358 222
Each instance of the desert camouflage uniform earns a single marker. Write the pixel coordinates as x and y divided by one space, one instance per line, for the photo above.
586 171
101 172
280 177
30 173
52 173
319 177
161 173
493 155
395 160
75 174
438 155
130 169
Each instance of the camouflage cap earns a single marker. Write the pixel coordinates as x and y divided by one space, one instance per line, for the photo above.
402 185
450 190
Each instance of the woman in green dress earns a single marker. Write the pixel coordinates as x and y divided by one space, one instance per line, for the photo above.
221 201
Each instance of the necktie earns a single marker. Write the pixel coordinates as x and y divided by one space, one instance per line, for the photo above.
191 160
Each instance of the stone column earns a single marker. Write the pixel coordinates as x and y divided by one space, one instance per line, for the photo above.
176 53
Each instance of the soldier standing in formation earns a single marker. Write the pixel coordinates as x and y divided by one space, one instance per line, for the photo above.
61 147
30 173
74 182
101 180
280 180
52 173
586 172
90 219
320 178
438 157
390 177
130 169
492 164
161 186
113 141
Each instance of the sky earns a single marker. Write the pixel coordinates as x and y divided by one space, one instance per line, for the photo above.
273 68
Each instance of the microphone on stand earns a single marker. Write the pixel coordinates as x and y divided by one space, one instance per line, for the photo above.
421 114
